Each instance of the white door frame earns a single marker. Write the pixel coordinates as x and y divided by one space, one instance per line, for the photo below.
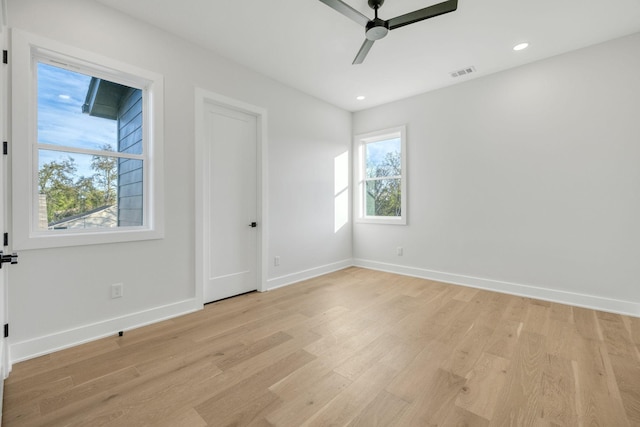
204 97
5 361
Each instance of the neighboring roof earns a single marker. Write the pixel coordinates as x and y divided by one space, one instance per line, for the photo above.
105 216
104 98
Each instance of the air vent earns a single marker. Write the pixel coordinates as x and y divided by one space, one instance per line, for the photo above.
463 72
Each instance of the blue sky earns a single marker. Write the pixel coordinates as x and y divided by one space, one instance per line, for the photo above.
376 151
61 94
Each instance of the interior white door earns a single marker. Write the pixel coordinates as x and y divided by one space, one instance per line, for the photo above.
232 238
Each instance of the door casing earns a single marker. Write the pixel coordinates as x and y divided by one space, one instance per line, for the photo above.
202 98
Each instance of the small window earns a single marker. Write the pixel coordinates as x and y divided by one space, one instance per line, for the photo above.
94 143
381 176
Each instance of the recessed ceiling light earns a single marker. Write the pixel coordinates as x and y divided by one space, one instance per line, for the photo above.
360 97
521 46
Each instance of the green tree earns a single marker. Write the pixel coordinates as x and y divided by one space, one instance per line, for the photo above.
68 194
55 180
106 175
89 197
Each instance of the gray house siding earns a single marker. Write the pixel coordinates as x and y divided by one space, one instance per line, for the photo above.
130 176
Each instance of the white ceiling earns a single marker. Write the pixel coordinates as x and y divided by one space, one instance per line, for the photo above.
309 46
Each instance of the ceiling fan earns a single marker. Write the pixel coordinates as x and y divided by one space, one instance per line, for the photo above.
377 28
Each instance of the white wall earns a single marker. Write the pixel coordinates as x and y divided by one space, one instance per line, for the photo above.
61 296
525 181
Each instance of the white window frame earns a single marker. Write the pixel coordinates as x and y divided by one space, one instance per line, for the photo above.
27 51
360 142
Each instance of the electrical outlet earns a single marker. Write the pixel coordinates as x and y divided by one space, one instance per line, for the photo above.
399 251
276 261
117 290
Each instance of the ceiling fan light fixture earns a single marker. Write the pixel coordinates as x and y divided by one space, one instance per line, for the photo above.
521 46
376 29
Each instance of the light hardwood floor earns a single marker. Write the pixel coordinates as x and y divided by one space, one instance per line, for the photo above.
356 348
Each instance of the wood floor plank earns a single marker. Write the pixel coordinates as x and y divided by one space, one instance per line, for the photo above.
627 374
226 401
558 392
586 325
465 294
516 309
355 365
489 373
560 338
409 383
634 329
382 411
296 383
537 319
307 403
561 312
519 400
356 347
99 385
504 339
433 405
595 402
466 353
459 417
350 401
254 349
186 418
615 335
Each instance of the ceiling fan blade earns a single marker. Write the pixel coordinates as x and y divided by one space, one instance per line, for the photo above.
347 11
362 53
421 14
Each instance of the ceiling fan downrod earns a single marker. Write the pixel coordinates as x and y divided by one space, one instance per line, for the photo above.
377 28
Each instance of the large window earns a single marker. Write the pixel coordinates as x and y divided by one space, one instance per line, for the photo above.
381 176
90 143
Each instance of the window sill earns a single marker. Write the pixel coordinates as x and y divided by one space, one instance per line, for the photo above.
382 220
45 240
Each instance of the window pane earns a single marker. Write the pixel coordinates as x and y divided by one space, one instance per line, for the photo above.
383 158
83 191
130 193
76 190
382 197
61 120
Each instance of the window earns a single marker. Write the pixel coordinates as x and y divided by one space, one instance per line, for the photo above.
382 176
90 147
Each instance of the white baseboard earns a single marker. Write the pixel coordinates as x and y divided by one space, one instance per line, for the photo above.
39 346
546 294
289 279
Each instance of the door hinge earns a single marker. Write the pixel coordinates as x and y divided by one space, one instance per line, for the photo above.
6 239
11 259
6 330
5 147
5 56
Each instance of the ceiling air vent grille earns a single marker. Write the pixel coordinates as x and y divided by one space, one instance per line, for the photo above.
463 72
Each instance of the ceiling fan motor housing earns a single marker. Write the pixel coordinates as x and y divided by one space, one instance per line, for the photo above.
376 29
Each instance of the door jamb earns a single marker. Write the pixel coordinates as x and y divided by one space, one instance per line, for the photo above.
204 97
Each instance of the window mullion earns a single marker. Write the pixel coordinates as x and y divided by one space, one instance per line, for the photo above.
382 178
101 153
